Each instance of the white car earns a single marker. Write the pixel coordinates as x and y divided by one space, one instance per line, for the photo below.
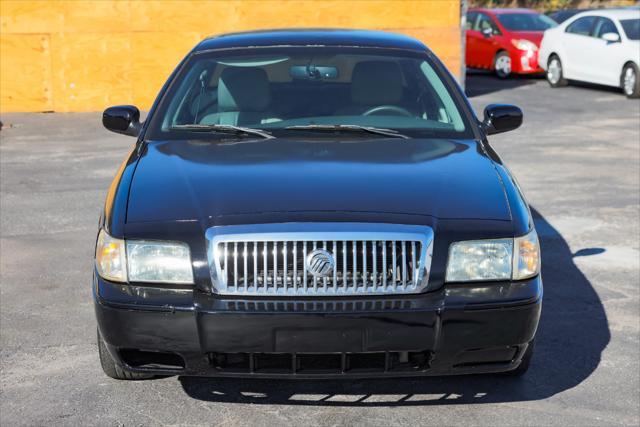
598 46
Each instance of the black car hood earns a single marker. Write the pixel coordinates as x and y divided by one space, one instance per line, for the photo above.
209 180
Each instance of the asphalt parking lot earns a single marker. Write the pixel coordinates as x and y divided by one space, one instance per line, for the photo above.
577 157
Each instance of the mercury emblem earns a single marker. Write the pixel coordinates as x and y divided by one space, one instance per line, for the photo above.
320 263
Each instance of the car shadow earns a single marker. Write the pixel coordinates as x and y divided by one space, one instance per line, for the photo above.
595 87
572 334
480 82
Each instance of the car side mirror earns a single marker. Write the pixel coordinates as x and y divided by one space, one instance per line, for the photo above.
487 32
500 118
611 37
124 119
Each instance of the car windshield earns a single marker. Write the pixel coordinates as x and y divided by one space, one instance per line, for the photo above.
526 21
631 28
286 91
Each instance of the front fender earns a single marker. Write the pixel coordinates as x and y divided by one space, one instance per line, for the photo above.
114 214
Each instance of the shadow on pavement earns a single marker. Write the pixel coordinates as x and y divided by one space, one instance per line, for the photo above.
479 82
573 333
595 87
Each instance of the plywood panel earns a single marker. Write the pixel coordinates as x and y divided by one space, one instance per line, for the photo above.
69 16
156 56
94 16
358 14
29 17
91 71
83 55
239 15
441 40
25 78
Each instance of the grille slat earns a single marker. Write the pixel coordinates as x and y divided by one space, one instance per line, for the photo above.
374 255
255 266
235 265
225 262
364 264
393 265
275 265
315 278
304 256
354 274
404 264
384 266
335 270
413 262
344 265
324 279
265 269
285 276
245 259
295 266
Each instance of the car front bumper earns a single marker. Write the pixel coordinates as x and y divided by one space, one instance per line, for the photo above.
525 62
458 329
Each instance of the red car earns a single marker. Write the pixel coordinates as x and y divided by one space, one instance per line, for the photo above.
505 40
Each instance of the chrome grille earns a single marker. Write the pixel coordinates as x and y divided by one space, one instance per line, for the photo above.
367 259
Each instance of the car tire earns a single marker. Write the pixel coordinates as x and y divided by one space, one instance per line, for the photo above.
555 76
630 81
523 367
502 64
111 368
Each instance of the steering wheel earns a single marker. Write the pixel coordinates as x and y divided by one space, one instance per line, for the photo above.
390 108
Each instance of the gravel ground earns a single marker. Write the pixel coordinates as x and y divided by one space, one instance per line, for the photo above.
577 157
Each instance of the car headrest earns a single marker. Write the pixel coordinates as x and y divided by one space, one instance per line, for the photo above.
376 83
243 89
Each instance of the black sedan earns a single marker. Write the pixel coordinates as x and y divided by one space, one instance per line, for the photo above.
314 203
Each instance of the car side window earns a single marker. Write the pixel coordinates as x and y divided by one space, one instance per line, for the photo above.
582 26
604 26
471 20
484 22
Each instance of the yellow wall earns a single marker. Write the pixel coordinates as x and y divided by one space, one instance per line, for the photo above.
86 55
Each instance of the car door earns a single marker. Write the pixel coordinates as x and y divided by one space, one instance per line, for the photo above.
488 41
577 46
607 56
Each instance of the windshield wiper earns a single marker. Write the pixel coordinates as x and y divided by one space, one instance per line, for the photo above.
350 128
238 130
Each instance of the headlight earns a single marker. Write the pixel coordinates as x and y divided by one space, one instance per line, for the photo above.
167 262
144 261
480 260
111 261
523 44
499 259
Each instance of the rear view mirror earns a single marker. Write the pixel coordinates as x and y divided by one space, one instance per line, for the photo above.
124 119
500 118
487 32
313 72
611 37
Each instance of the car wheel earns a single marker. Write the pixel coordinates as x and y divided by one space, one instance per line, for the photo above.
111 369
555 77
630 81
523 367
502 65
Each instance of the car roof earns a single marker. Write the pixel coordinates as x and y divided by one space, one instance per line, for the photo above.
311 37
629 13
501 11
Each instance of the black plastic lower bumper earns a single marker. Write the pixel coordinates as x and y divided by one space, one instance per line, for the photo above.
458 329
